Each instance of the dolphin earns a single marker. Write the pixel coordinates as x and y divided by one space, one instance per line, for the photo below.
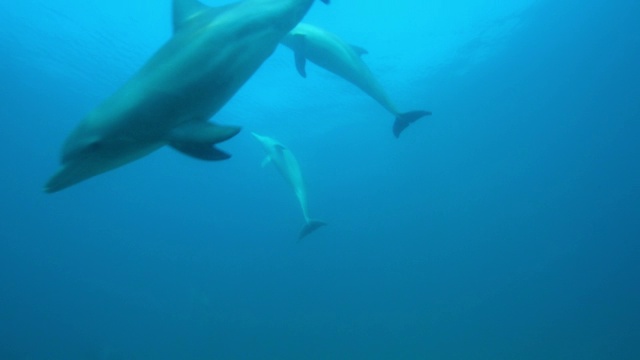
329 51
212 53
288 166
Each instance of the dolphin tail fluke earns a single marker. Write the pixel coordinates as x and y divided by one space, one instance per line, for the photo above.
405 119
311 226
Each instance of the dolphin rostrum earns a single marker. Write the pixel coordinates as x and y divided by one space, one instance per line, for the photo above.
212 53
288 166
330 52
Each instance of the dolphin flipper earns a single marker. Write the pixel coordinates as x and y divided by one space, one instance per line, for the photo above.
311 226
300 54
204 152
197 140
359 50
405 119
301 61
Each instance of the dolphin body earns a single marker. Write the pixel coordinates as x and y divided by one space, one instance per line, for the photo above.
212 53
288 166
329 51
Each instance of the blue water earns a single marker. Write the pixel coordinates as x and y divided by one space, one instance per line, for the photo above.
505 226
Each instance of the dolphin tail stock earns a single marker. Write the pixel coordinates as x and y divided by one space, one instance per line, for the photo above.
311 226
405 119
198 139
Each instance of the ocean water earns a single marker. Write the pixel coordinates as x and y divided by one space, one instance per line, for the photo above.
504 226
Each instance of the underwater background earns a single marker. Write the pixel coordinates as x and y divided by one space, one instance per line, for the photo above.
504 226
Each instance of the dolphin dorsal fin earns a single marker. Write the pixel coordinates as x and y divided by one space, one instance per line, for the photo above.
186 10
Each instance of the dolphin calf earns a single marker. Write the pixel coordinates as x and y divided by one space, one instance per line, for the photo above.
212 53
288 166
330 52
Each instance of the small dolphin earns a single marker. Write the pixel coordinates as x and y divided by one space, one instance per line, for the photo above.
288 166
332 53
212 53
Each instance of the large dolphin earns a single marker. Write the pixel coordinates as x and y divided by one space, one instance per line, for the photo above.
288 166
212 53
330 52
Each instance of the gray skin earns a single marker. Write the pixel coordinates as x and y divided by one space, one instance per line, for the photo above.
211 54
288 166
330 52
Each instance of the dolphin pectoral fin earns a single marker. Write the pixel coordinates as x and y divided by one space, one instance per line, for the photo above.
301 61
311 226
405 119
300 46
266 161
202 132
197 140
359 50
204 152
280 148
325 1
